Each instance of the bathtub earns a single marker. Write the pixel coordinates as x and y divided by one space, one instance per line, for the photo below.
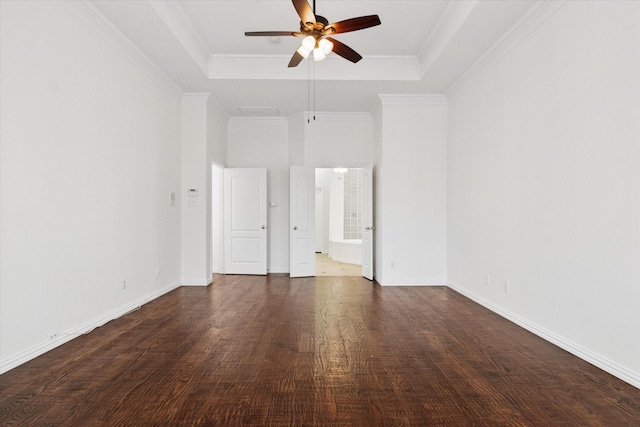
349 251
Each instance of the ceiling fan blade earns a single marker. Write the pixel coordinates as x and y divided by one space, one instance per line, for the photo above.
352 24
271 33
295 59
345 51
304 11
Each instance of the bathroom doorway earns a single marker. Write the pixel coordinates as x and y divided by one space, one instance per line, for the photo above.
339 221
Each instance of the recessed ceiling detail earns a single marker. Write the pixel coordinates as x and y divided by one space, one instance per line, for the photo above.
423 47
259 111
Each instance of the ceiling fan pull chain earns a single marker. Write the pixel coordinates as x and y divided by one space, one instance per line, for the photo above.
308 92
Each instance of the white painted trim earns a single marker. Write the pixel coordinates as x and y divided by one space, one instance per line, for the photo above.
273 67
63 337
101 25
535 16
259 121
414 99
195 98
583 353
177 22
390 285
196 282
447 27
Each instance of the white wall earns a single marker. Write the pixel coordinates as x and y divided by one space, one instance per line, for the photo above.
217 153
90 152
338 139
204 127
297 130
196 175
378 190
410 190
216 133
544 184
264 142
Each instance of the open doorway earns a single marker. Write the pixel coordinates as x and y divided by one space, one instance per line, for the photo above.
339 198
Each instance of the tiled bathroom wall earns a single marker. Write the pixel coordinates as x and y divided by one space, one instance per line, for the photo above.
353 204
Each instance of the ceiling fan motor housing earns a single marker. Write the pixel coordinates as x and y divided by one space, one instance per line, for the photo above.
314 29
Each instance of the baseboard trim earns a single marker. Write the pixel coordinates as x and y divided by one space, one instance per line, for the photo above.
424 284
66 336
411 284
583 353
197 282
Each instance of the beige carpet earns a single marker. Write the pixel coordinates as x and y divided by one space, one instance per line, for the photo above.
325 266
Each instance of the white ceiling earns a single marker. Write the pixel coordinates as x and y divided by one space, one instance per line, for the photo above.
422 46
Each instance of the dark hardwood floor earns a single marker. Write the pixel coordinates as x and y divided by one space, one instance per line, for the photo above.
320 351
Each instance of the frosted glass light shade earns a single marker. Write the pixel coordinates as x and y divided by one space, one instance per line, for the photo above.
304 52
309 43
326 46
318 54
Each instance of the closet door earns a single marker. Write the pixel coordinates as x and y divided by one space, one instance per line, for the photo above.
245 221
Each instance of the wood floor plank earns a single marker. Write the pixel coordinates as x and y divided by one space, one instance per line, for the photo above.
260 351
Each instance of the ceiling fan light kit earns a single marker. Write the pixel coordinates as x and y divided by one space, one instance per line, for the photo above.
316 31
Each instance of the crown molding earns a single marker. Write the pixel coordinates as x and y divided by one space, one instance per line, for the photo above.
183 30
257 121
536 15
273 67
449 24
101 25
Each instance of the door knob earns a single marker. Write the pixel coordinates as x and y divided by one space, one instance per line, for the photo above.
264 226
295 228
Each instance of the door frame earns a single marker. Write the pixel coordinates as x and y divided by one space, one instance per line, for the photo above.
367 224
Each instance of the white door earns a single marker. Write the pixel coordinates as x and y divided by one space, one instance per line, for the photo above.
367 223
302 187
245 221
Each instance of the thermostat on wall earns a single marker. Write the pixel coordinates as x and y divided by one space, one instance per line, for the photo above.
193 192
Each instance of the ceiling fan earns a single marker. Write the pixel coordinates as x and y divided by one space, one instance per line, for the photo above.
316 31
